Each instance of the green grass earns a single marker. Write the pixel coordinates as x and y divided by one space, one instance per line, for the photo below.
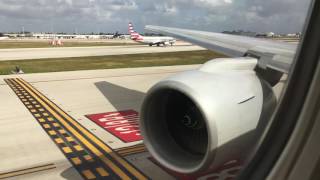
108 62
45 44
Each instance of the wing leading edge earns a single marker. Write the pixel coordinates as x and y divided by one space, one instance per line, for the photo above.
271 54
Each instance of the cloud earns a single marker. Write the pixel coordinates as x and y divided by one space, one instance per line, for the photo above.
212 3
113 15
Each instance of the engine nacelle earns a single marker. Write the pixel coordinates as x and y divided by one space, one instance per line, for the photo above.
201 119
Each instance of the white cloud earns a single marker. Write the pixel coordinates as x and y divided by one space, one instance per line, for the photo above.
112 15
212 3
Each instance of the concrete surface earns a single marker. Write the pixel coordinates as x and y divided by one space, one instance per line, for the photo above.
24 143
60 52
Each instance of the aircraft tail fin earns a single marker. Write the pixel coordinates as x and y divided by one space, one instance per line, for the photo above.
133 34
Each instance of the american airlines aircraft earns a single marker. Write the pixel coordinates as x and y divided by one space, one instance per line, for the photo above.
150 40
203 119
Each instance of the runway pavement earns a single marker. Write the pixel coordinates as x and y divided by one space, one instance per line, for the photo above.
60 52
50 124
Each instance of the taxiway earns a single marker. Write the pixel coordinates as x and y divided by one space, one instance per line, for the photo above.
78 125
47 133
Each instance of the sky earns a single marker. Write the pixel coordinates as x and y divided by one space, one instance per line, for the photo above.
280 16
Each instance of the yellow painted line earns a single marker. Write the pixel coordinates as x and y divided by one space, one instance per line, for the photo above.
88 174
102 172
55 124
76 161
58 140
78 147
67 150
132 149
70 139
62 131
42 120
47 126
88 158
129 147
120 160
141 149
52 133
26 171
98 153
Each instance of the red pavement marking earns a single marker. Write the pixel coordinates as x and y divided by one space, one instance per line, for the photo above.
122 124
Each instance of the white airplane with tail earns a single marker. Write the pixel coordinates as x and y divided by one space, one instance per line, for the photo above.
151 40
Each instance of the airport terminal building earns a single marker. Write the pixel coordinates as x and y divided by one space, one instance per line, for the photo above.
63 36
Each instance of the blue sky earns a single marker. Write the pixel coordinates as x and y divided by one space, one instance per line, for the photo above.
281 16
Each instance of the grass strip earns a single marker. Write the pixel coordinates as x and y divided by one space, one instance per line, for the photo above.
109 62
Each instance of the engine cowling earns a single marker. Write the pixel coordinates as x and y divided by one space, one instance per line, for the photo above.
201 119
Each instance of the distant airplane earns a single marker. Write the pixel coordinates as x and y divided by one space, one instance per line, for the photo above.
116 35
151 40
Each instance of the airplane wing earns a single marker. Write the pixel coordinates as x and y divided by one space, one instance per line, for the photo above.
271 54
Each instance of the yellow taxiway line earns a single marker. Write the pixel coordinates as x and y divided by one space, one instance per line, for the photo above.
80 146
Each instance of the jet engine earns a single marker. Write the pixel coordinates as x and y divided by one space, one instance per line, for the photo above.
200 119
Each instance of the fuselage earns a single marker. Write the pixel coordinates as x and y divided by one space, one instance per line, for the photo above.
154 40
150 40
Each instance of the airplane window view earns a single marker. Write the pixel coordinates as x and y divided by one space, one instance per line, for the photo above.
132 89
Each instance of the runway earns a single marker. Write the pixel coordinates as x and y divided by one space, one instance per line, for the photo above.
62 52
